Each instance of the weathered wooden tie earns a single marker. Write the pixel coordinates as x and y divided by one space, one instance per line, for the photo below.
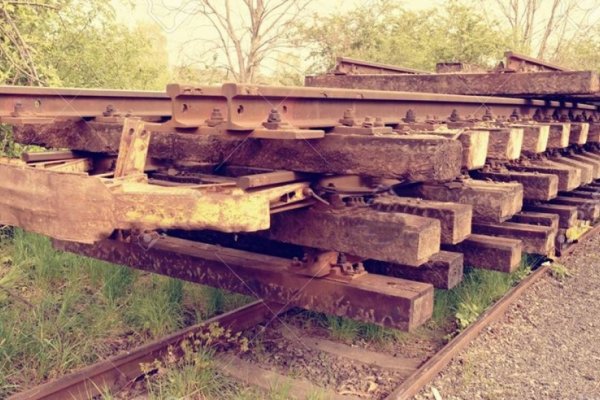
567 214
535 138
410 157
491 201
536 185
360 231
536 239
569 178
444 270
455 218
489 252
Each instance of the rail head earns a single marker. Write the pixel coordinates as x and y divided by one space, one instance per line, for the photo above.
522 63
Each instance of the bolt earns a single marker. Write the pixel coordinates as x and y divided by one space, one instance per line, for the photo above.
488 115
378 122
368 122
563 117
216 117
17 109
571 116
546 117
515 116
274 116
410 117
110 110
348 117
454 117
538 116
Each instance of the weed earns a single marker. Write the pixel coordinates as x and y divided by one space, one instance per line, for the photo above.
194 377
60 311
342 328
479 289
158 310
116 282
188 370
559 271
215 300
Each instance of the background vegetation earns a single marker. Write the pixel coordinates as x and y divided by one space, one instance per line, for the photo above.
84 43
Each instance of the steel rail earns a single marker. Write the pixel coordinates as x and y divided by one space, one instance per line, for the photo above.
517 61
19 101
347 65
242 107
426 372
117 372
245 107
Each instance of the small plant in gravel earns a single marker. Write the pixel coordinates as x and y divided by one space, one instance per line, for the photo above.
559 271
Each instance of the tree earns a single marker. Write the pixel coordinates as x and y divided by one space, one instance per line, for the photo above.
77 43
383 31
249 35
544 29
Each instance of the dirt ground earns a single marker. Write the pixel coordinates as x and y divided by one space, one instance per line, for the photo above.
547 346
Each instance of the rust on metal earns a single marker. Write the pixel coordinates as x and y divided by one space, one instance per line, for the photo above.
18 101
347 65
246 107
123 369
521 63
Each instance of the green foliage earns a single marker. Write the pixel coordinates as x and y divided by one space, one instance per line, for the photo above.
559 271
79 43
479 289
349 330
342 328
383 31
111 56
60 311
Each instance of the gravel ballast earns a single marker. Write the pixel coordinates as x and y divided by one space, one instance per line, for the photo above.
547 346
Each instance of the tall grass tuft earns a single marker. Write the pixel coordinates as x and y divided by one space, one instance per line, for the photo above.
60 311
479 289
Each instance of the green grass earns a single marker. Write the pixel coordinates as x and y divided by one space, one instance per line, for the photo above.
60 311
479 289
195 376
559 271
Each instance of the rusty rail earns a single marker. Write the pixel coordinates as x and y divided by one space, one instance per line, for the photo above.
411 386
22 101
123 369
347 65
247 107
242 107
522 63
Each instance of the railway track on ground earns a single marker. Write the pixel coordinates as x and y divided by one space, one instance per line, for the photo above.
407 375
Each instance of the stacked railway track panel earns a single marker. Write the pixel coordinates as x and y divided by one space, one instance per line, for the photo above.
346 197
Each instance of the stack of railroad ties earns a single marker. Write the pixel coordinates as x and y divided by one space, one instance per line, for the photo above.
350 200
